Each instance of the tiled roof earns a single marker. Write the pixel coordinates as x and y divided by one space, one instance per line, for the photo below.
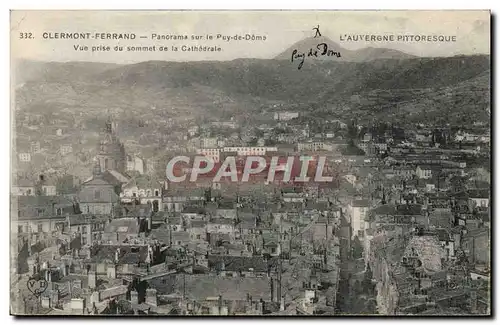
84 219
193 209
140 210
204 286
39 207
43 201
182 236
144 182
23 182
128 225
127 255
198 223
385 209
240 263
222 221
106 194
409 209
483 193
477 232
443 234
361 203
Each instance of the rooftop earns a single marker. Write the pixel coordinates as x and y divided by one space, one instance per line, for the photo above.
201 287
126 254
240 263
361 203
123 225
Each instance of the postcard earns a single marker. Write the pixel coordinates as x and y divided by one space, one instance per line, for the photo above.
250 163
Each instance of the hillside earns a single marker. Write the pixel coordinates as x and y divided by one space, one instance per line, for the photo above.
245 85
25 70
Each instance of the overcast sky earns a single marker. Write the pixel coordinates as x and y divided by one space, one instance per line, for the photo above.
281 28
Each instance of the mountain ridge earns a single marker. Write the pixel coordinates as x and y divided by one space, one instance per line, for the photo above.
361 55
241 86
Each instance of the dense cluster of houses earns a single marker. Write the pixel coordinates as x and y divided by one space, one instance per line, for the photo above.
414 213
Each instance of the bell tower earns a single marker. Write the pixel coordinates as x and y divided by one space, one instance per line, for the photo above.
111 152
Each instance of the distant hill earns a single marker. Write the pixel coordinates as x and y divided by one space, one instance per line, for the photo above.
361 55
26 70
278 79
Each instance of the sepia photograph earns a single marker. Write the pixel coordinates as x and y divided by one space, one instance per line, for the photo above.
284 163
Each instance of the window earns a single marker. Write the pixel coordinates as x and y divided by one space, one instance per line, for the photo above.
40 212
198 236
28 191
97 194
157 193
44 191
59 211
19 229
40 227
